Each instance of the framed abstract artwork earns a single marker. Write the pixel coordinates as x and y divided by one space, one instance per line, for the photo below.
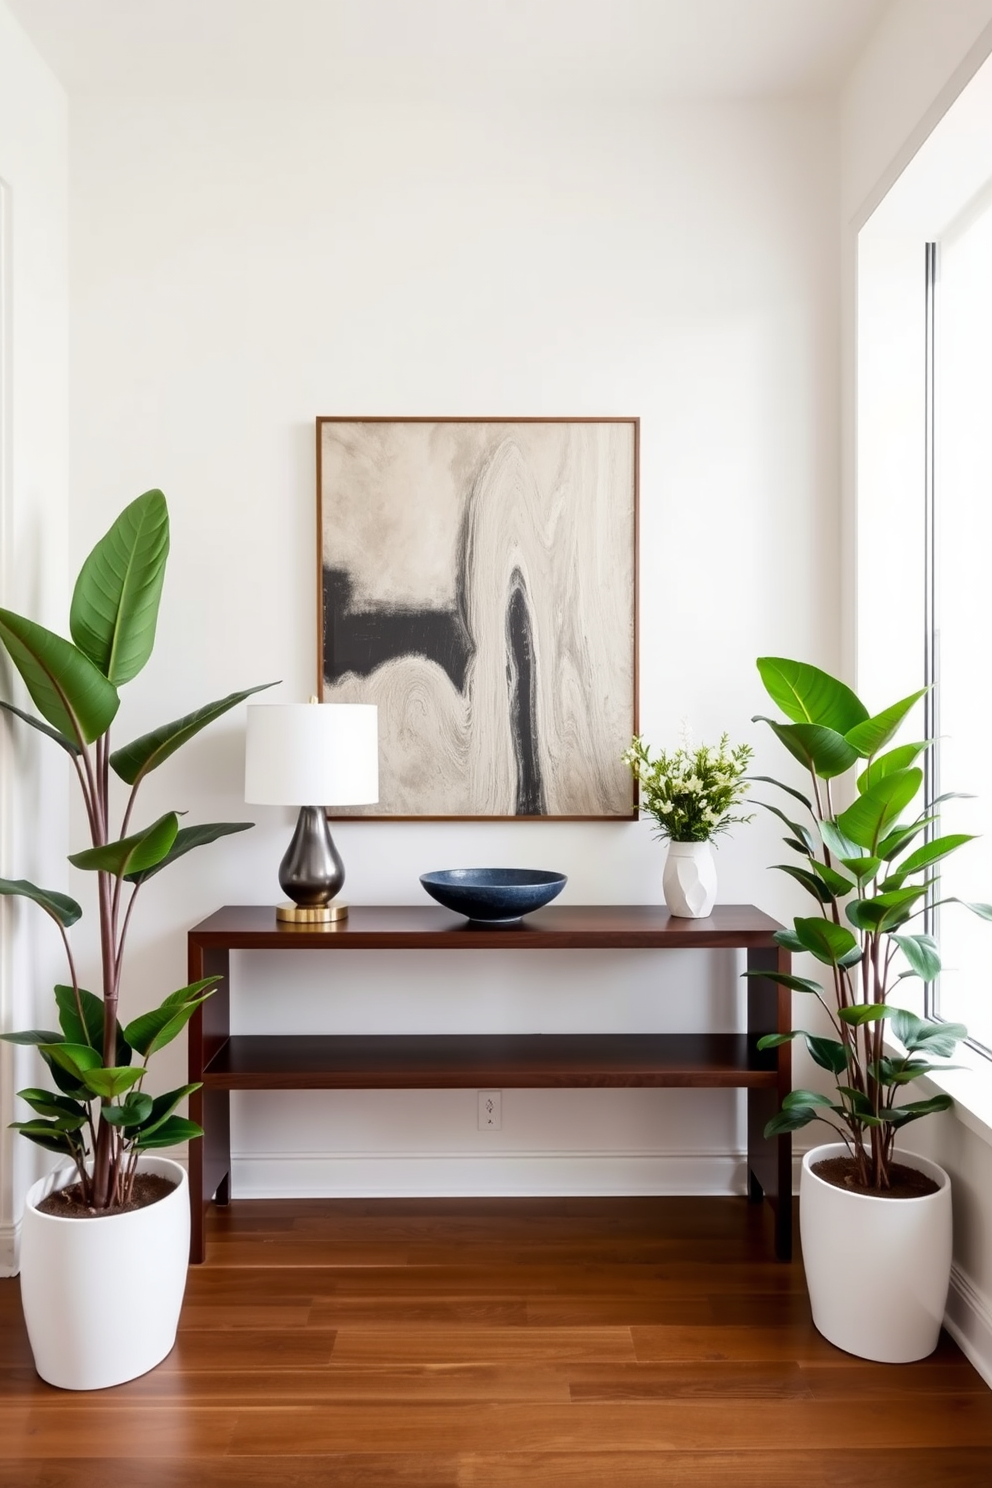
478 582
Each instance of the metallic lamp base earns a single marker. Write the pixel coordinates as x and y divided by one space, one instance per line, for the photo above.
313 914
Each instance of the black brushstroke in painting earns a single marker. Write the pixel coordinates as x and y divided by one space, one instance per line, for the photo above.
521 673
360 640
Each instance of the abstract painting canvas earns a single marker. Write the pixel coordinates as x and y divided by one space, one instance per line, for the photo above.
477 582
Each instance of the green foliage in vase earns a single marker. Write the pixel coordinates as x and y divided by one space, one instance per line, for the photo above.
869 868
691 791
98 1114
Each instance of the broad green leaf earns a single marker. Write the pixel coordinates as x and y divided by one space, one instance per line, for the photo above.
886 764
776 1040
913 1110
871 735
137 759
69 1084
805 1098
790 1120
136 1108
919 1035
810 883
859 1102
784 979
66 688
900 837
115 602
932 852
983 911
904 1071
885 911
61 908
69 745
152 1031
788 940
174 1129
33 1036
834 841
807 695
112 1082
829 1054
825 940
770 780
48 1134
163 1107
75 1059
822 750
868 819
131 854
835 882
922 954
186 839
862 868
91 1030
864 1012
803 833
47 1103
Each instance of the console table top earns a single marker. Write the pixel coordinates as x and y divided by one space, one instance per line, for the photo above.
430 927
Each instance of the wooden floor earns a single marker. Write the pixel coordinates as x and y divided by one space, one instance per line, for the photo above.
507 1342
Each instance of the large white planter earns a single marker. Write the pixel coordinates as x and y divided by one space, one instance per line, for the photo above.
689 879
877 1269
102 1297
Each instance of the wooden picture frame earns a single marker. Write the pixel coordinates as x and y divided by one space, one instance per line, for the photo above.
477 579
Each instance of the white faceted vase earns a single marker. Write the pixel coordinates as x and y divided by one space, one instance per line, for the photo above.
102 1297
877 1269
689 879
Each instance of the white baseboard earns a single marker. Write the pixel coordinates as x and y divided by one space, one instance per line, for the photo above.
10 1249
444 1174
968 1319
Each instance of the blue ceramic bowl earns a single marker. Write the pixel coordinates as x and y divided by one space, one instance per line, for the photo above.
499 896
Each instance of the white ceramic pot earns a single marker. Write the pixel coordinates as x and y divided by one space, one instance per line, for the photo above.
877 1269
689 879
102 1297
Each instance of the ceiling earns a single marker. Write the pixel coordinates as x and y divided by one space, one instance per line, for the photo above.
636 49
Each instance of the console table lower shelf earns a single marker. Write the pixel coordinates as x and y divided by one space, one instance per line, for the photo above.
224 1062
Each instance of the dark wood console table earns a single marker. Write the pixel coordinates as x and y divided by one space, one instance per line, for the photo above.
226 1062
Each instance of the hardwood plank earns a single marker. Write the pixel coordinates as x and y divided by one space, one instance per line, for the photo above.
414 1311
429 1345
684 1381
338 1470
92 1429
214 1317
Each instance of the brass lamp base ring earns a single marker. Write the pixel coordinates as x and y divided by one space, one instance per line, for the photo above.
312 914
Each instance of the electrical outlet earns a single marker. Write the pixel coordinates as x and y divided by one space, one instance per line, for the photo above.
490 1110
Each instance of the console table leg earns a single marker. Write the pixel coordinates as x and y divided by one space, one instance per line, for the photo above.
769 1160
755 1192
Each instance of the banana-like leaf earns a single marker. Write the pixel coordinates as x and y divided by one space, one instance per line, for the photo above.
864 1012
137 759
822 750
174 1129
186 839
809 881
69 1084
873 734
163 1107
807 695
66 688
932 852
135 1109
770 780
805 1098
76 1059
897 759
109 1083
913 1110
828 1053
872 815
61 908
47 1103
33 1036
132 854
43 728
828 942
152 1031
886 910
115 602
785 979
790 1120
796 828
788 940
919 1035
922 954
834 841
50 1135
862 868
90 1031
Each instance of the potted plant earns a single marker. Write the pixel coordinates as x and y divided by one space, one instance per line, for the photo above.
117 1210
875 1225
690 792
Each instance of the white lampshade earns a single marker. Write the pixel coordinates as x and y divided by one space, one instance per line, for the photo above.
312 754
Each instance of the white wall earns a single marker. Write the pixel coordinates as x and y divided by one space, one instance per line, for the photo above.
240 267
920 57
33 467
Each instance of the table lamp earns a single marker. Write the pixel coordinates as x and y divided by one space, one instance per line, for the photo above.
312 755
